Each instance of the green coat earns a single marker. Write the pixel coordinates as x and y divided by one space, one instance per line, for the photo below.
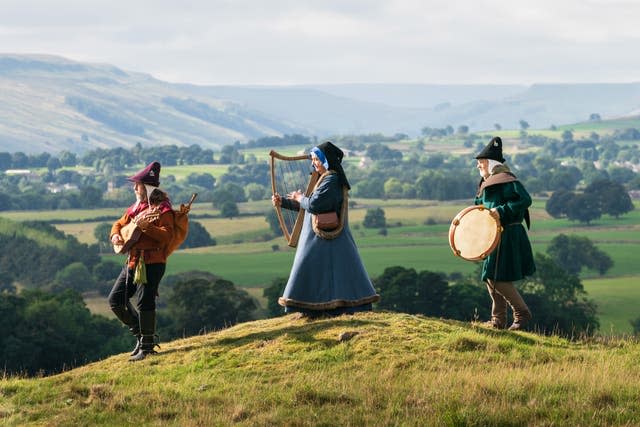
513 255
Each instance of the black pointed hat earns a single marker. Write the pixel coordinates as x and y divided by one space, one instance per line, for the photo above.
492 151
149 175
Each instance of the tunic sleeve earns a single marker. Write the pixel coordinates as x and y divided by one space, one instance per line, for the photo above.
162 229
516 201
326 198
117 226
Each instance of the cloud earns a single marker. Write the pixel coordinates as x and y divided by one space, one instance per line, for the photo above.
297 42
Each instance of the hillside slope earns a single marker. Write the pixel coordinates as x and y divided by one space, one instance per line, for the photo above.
48 103
51 104
394 369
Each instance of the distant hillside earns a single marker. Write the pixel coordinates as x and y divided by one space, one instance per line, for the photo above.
367 369
51 104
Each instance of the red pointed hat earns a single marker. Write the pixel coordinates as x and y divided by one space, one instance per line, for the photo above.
149 175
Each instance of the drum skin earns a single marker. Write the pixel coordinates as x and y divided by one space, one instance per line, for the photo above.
474 233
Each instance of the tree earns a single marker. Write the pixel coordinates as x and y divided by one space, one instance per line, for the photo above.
393 188
374 218
404 290
220 197
104 273
255 191
74 276
584 208
564 178
635 324
558 300
236 190
90 197
274 225
5 161
370 188
198 236
463 129
200 302
53 163
68 159
612 198
382 152
574 252
594 117
524 125
49 332
102 233
556 205
203 180
466 301
229 209
230 155
272 293
19 160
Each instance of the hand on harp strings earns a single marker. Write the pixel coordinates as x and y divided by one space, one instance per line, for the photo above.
295 195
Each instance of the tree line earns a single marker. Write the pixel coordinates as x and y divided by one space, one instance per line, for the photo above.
561 165
554 293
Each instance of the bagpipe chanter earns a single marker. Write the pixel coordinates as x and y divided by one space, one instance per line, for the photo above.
288 174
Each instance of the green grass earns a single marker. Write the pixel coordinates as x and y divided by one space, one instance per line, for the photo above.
617 300
397 369
181 172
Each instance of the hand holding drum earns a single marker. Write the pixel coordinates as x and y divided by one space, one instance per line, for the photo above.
475 233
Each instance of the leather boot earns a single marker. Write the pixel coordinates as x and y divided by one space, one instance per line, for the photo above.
129 316
147 336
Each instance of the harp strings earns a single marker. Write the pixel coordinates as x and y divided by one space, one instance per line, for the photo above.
291 175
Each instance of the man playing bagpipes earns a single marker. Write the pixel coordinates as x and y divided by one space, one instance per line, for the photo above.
151 219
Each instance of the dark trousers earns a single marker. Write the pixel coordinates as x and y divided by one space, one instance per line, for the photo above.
124 289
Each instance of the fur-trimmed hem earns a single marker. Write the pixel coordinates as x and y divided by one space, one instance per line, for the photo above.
288 302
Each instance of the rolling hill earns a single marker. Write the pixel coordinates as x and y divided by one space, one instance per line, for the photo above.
51 104
365 369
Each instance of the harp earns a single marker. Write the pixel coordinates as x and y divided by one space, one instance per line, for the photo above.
291 173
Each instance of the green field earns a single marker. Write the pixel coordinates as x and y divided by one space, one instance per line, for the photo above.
244 258
617 300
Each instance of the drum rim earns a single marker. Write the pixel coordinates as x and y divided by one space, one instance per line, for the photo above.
456 221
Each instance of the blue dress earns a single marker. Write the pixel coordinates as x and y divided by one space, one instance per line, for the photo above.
327 275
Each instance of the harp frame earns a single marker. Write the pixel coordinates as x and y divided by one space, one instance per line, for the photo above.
293 235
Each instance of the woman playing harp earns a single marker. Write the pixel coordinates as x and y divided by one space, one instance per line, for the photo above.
327 276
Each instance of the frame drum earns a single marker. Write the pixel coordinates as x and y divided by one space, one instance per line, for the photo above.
474 233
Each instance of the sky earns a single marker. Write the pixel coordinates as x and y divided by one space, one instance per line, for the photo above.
292 42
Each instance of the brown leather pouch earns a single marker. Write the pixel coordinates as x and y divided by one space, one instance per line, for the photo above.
327 220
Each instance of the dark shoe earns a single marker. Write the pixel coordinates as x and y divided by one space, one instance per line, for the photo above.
147 341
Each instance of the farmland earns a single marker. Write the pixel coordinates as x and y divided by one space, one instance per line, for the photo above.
416 238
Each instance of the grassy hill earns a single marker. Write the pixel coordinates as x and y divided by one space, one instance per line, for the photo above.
396 369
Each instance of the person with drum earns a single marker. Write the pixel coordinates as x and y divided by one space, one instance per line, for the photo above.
508 201
146 261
